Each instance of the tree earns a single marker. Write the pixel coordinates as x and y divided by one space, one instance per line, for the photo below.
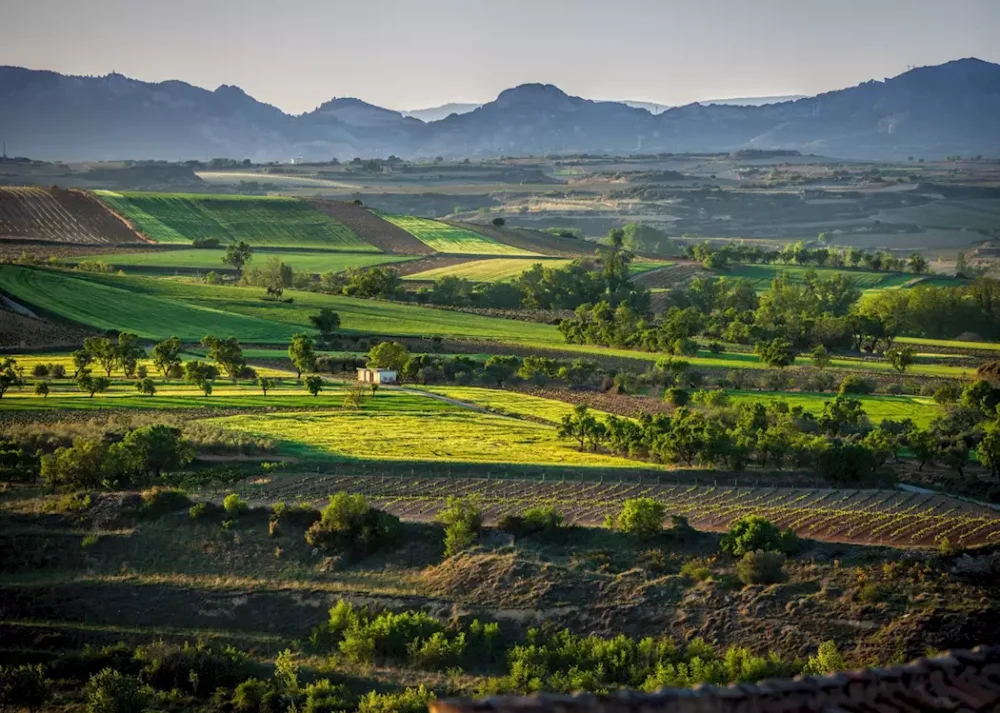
166 355
820 357
81 360
314 384
146 386
23 686
265 384
463 520
988 449
326 322
9 375
102 351
111 691
388 355
500 368
227 353
90 384
42 389
577 425
642 517
901 357
499 222
302 352
923 446
201 375
128 353
917 264
238 254
777 353
150 450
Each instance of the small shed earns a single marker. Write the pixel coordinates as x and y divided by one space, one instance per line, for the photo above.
376 376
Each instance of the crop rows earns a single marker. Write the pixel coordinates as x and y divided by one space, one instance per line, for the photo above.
884 517
61 216
446 238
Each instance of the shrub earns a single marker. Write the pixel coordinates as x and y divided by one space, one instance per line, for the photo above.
195 668
57 371
349 525
642 517
198 511
947 393
753 532
40 371
234 505
541 520
324 697
23 686
696 569
111 691
412 700
462 520
761 567
826 661
677 396
255 696
158 501
853 384
894 389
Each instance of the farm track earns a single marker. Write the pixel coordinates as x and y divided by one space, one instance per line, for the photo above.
63 216
872 517
372 229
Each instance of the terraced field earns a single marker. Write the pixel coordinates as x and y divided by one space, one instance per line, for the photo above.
65 216
386 236
882 517
446 238
208 259
492 270
269 221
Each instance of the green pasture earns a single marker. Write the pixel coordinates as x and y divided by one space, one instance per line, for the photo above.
922 410
211 259
950 344
266 221
763 275
511 403
447 238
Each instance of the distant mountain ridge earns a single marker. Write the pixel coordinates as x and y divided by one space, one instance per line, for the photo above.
930 111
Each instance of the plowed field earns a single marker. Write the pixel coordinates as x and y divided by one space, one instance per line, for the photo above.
382 234
65 216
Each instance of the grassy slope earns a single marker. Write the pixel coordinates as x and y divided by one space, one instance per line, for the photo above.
921 409
494 270
157 308
258 220
206 259
449 239
507 402
423 429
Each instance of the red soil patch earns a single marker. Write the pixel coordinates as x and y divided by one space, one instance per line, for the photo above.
65 216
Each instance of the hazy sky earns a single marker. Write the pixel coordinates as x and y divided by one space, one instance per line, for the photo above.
408 54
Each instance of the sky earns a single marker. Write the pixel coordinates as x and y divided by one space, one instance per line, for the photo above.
410 54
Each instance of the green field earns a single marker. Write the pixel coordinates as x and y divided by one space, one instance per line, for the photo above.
155 308
950 343
209 259
424 430
266 221
507 402
494 270
637 267
763 275
922 410
448 239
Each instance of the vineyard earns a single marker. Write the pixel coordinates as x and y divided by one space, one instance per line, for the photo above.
61 216
882 517
447 238
259 221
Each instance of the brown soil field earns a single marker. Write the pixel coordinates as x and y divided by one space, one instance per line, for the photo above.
19 332
670 276
65 216
373 230
412 267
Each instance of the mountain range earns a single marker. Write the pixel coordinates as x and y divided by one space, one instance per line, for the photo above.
952 108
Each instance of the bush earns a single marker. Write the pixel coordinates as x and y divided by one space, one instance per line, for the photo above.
197 669
947 394
412 700
324 697
349 525
827 661
696 569
753 532
853 384
198 511
462 520
23 686
760 567
159 501
894 389
57 371
113 692
677 396
234 505
642 517
256 696
40 371
541 520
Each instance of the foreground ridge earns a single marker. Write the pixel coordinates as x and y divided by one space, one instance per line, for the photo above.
955 681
